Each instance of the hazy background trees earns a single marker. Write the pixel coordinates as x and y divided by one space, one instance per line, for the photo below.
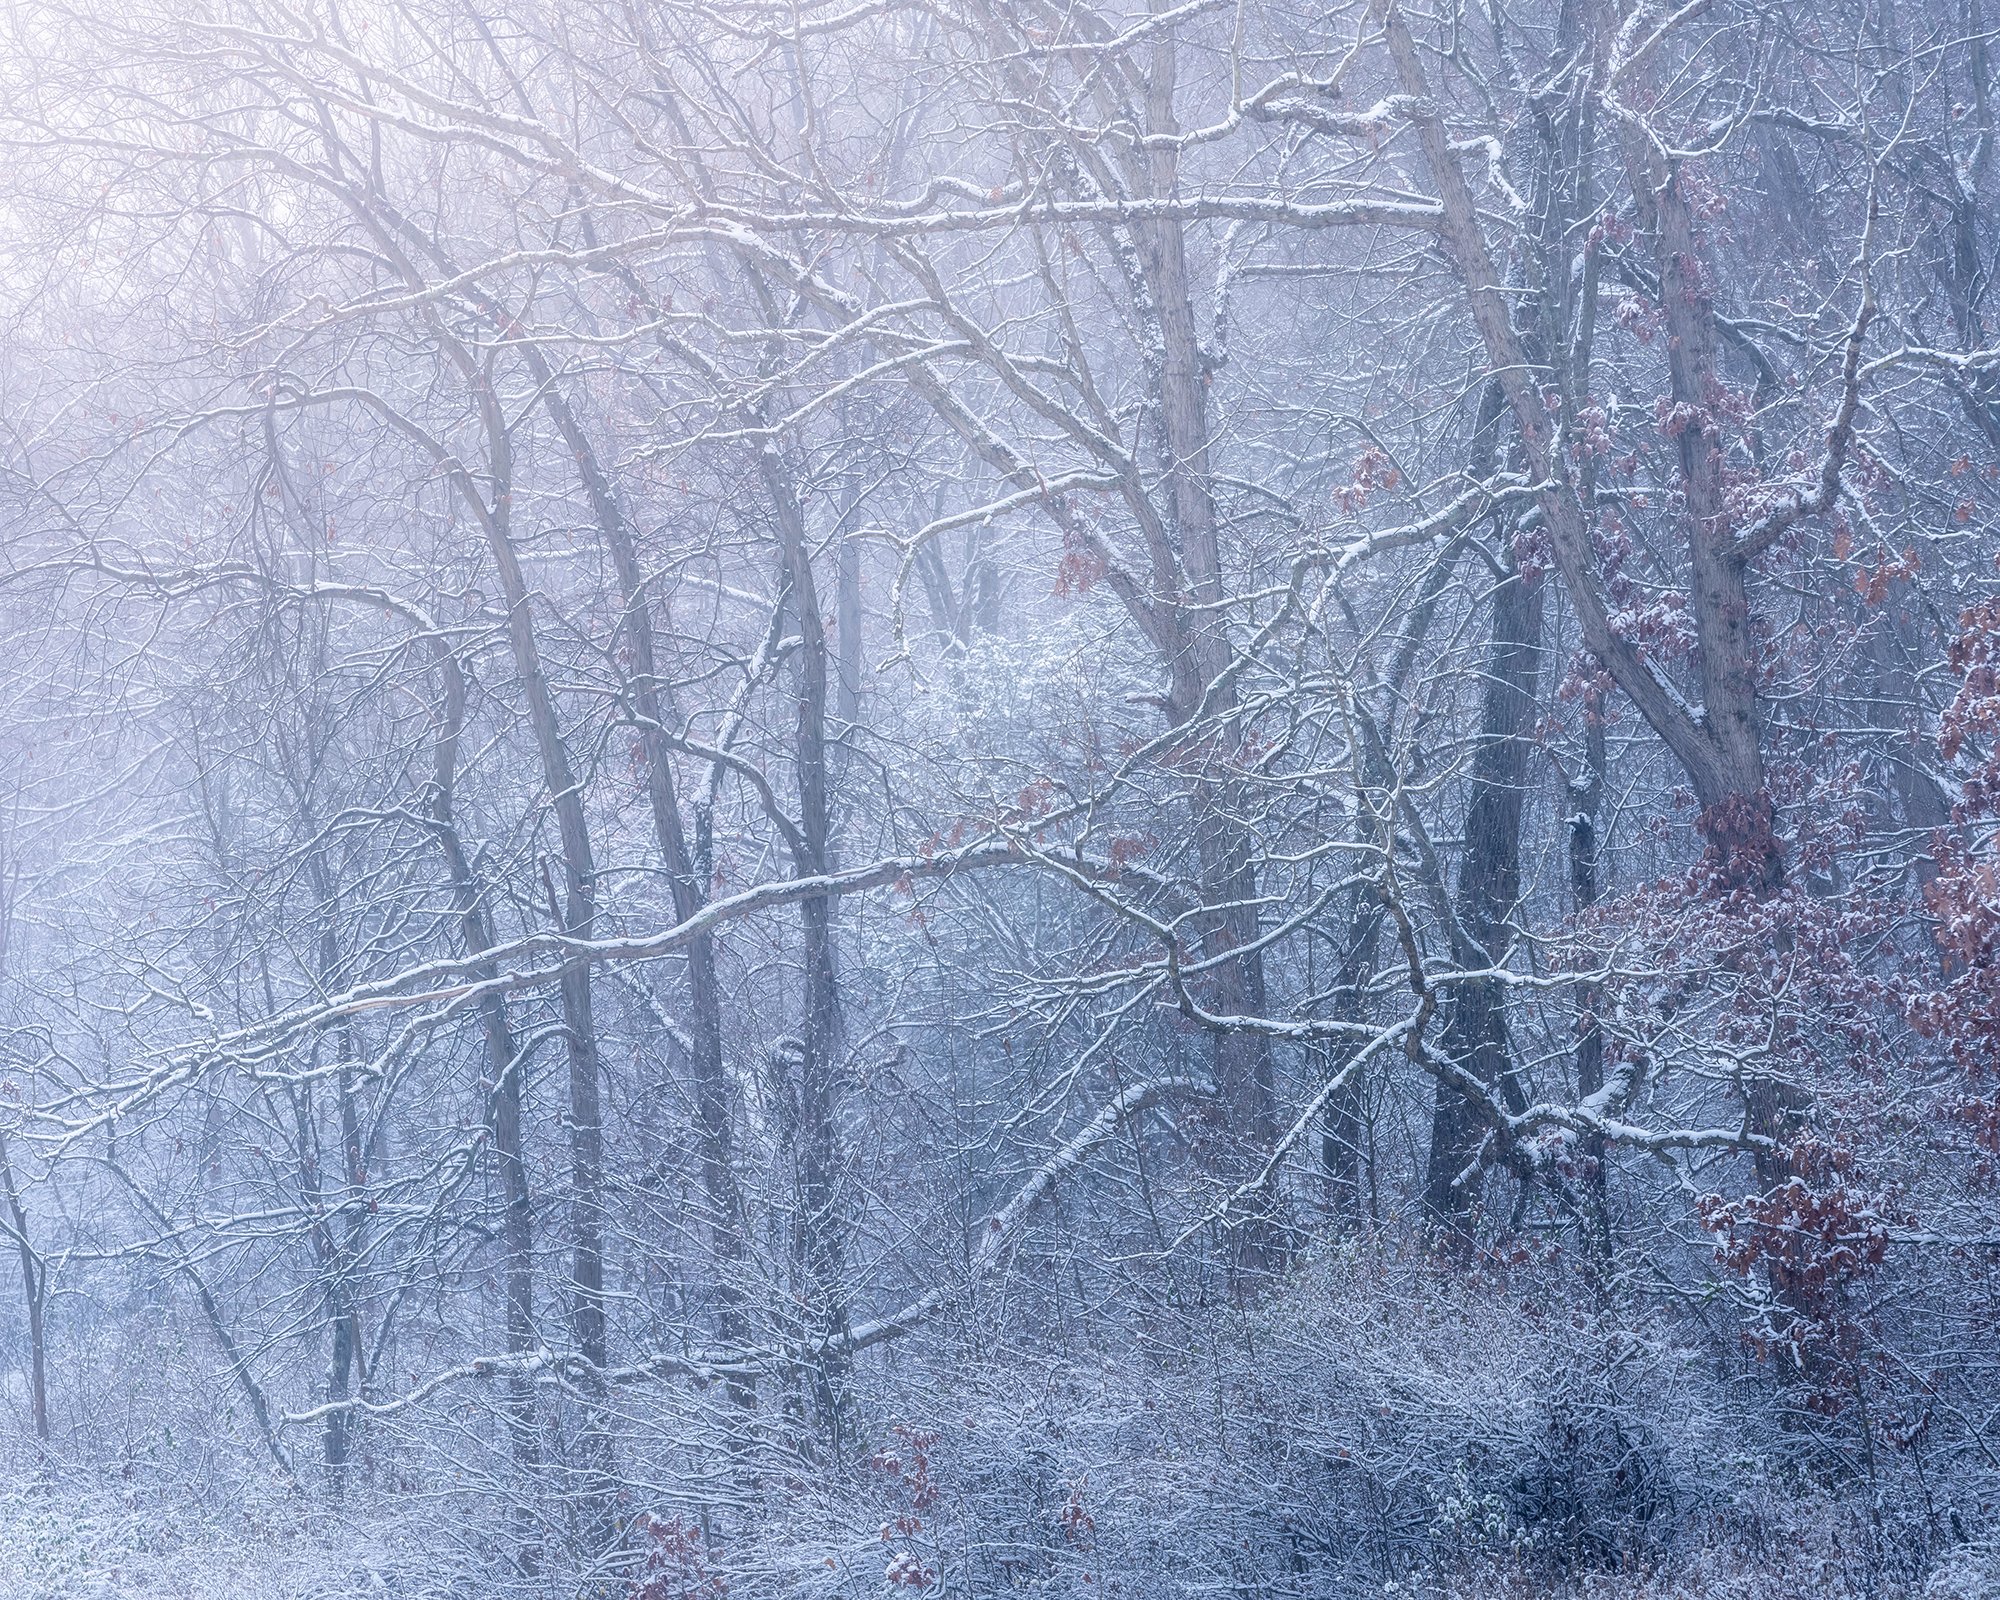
819 799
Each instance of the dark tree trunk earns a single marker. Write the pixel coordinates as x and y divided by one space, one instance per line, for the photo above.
34 1285
1489 889
821 1234
686 879
1586 795
574 906
504 1073
1343 1138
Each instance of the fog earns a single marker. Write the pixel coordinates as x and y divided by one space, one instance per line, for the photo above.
959 797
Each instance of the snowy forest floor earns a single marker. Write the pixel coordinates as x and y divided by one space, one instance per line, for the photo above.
79 1539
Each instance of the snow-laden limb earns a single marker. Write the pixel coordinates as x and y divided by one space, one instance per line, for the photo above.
1421 215
534 961
1962 362
1227 1213
1003 1227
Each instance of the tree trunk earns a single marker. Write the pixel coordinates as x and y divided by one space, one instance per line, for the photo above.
1226 853
504 1070
1489 890
1724 767
1586 795
575 908
34 1270
34 1285
685 877
821 1240
1342 1136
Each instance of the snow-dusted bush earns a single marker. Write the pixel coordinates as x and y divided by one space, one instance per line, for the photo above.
1378 1421
70 1537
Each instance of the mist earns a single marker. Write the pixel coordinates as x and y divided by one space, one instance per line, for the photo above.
835 798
